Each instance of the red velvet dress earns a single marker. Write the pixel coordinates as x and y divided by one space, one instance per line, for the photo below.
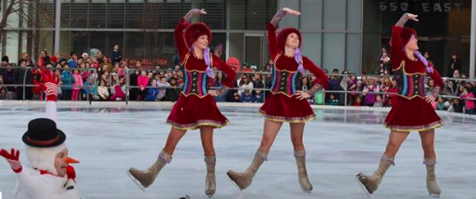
195 107
282 104
410 111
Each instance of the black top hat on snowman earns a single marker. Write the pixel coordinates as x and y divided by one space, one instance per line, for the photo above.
42 132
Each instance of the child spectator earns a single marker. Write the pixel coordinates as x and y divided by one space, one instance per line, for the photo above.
358 101
369 94
246 96
332 100
142 81
441 105
468 93
102 91
77 85
91 89
378 102
152 91
68 80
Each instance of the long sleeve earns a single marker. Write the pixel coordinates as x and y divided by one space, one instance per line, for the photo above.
180 44
321 77
51 111
227 70
437 78
272 41
397 47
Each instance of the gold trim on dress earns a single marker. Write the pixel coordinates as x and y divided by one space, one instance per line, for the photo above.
195 70
430 126
285 119
410 98
283 93
185 59
404 71
198 124
187 95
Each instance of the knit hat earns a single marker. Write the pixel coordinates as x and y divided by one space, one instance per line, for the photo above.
196 30
283 35
5 59
407 35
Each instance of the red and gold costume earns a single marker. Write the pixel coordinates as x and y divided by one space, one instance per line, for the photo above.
195 107
410 112
282 104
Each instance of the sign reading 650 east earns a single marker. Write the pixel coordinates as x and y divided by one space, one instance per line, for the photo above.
425 6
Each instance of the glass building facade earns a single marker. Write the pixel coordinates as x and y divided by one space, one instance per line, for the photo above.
342 34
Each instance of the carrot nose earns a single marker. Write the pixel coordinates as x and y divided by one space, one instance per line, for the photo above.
70 160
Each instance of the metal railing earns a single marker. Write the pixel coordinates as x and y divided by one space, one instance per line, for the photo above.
264 75
27 69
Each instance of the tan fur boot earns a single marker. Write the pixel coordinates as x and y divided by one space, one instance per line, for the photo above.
431 185
243 180
210 181
371 183
144 178
302 171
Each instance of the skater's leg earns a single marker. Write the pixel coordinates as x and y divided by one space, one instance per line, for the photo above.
271 130
243 180
297 132
175 136
427 140
144 178
206 133
394 142
371 182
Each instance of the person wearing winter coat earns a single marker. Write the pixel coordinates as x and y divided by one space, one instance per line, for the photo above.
469 104
247 96
77 86
152 92
23 76
49 175
102 91
163 85
142 81
91 89
68 81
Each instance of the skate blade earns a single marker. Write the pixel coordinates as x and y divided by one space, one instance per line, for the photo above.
186 197
434 195
136 181
363 186
236 185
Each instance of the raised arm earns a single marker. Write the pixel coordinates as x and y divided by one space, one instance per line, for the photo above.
272 26
50 87
397 41
184 23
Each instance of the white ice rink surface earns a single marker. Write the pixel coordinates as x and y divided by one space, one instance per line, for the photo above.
340 143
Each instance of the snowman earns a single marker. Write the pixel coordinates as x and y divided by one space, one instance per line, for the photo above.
49 174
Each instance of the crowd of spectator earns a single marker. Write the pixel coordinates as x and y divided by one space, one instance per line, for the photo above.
114 79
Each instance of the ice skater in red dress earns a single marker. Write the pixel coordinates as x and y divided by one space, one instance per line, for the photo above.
196 107
412 110
285 104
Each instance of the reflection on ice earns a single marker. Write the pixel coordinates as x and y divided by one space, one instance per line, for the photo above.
339 144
